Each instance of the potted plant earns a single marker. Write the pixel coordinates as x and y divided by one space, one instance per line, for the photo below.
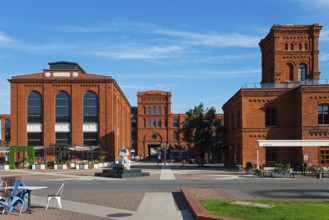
249 167
281 170
96 164
239 167
102 162
60 165
316 170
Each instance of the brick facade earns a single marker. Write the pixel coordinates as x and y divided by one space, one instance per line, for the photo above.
112 126
292 90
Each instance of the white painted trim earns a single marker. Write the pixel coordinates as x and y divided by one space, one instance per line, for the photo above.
34 127
90 127
61 74
62 127
292 143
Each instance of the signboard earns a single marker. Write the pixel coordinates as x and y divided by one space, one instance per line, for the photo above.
306 158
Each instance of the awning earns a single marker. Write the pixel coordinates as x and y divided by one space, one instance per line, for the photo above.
83 148
293 143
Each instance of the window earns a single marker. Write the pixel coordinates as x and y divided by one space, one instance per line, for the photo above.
159 123
154 110
159 110
62 107
271 155
7 131
34 139
133 123
324 156
270 117
175 123
291 46
90 107
290 68
154 123
300 47
148 110
90 138
148 123
286 46
175 136
302 72
323 112
306 46
63 138
34 108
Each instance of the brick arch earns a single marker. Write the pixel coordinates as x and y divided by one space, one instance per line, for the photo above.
289 71
148 137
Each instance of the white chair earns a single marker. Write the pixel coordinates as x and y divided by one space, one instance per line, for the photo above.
57 197
3 189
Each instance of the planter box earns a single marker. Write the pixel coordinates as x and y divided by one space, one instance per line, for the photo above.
60 166
4 167
96 166
81 166
282 174
38 166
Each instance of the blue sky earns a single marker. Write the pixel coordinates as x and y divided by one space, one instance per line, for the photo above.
200 50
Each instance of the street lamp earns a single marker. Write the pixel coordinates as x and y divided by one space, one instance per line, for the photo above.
164 146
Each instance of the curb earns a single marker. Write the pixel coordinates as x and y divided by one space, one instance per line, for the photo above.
200 212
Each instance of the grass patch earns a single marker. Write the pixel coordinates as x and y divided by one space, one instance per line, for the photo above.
281 210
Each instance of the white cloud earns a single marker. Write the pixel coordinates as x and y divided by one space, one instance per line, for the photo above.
216 40
139 52
324 57
200 74
5 40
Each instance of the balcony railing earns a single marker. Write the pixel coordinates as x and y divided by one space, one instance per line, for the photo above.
284 85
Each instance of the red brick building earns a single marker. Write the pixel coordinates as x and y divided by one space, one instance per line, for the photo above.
66 106
278 120
156 126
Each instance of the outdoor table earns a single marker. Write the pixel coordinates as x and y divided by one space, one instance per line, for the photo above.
28 190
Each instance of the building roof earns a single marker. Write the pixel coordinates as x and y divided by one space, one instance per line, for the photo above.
65 65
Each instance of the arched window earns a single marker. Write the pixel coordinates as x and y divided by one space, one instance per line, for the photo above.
154 110
306 46
291 46
323 114
286 46
148 123
159 110
270 117
300 47
90 107
148 110
34 108
63 107
302 72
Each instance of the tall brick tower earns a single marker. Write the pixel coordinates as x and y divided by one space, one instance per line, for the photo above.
290 53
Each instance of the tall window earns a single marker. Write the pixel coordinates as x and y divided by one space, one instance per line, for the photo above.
159 110
34 108
175 135
7 132
159 123
62 107
148 123
175 123
154 123
291 46
154 110
300 47
291 71
148 110
271 155
90 107
323 113
270 117
286 46
63 116
302 72
133 123
306 46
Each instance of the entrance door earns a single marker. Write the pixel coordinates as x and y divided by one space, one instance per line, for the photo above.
152 150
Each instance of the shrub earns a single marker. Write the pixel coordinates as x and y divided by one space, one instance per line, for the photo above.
249 165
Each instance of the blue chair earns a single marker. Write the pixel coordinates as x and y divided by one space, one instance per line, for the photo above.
12 202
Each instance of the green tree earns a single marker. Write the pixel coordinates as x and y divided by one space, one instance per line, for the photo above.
199 129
